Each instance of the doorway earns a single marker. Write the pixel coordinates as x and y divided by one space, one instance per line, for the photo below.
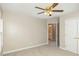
53 35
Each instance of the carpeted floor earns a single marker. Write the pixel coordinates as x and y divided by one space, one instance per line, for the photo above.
46 50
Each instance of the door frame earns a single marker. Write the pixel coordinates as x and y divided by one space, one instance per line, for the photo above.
57 42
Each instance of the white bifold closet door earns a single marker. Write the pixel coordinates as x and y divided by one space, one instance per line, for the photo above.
71 30
78 36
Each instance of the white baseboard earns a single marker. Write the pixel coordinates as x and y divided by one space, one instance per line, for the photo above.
4 53
67 50
62 48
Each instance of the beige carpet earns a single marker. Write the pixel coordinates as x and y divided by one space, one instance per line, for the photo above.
45 50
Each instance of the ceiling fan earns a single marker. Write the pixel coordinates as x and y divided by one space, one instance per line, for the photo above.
48 10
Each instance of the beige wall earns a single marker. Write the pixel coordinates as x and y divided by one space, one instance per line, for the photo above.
53 20
72 16
22 31
0 35
0 32
62 32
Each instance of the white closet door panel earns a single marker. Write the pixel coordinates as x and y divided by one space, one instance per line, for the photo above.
78 26
70 33
78 47
0 43
78 35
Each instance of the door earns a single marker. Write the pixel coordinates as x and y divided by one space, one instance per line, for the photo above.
52 32
70 34
78 37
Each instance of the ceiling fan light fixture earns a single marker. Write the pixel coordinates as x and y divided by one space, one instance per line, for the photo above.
49 9
48 13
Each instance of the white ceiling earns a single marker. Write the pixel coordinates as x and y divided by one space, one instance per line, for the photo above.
29 8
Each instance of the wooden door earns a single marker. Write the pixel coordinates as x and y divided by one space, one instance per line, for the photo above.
52 32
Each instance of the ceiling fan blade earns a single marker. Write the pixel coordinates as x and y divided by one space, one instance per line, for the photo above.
57 10
39 8
54 5
41 12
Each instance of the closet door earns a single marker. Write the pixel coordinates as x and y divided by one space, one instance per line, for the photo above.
70 34
78 36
